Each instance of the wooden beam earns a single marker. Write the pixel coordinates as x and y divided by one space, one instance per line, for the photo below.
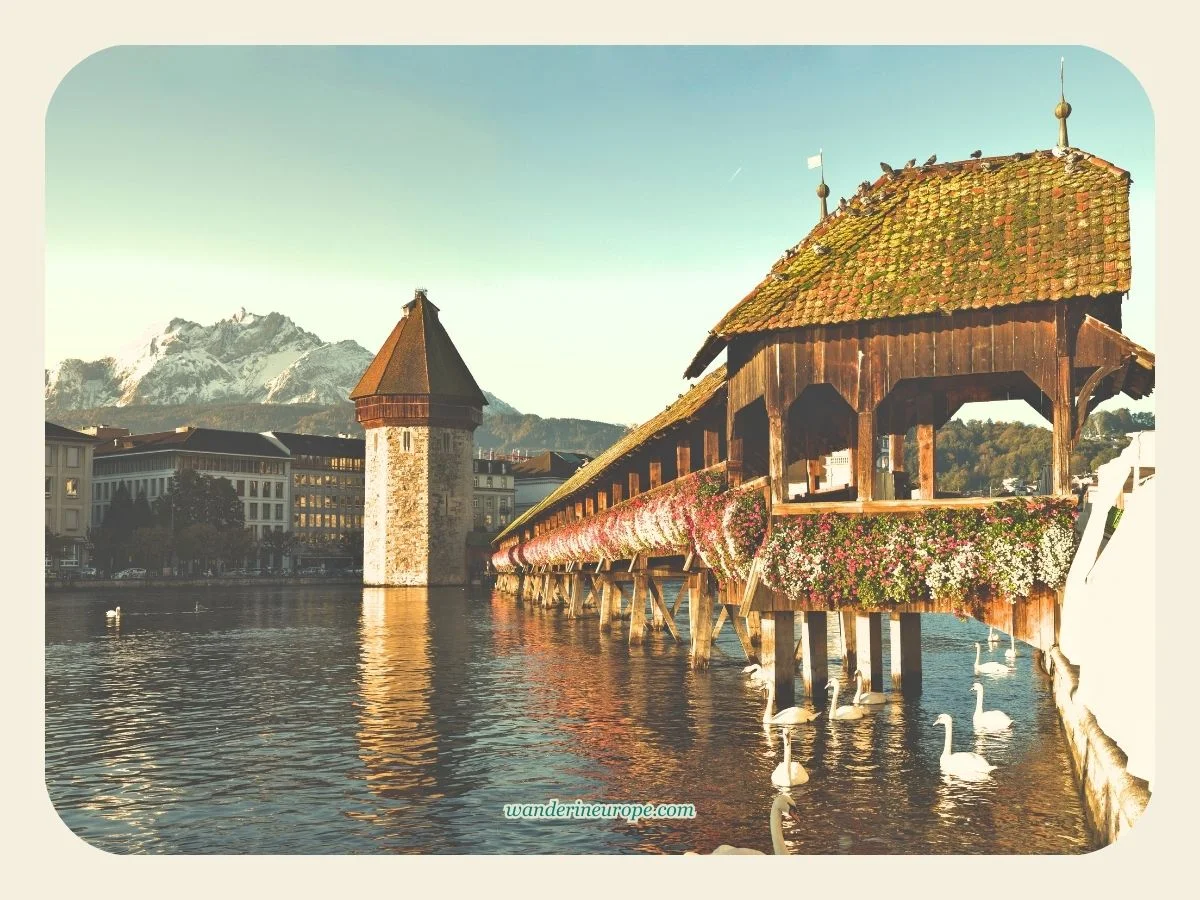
739 627
618 492
816 651
926 451
1062 418
721 617
607 595
734 468
814 475
637 610
683 587
655 474
700 605
864 455
712 447
635 484
751 586
777 454
869 643
601 501
575 603
904 644
590 506
683 457
895 452
779 629
661 606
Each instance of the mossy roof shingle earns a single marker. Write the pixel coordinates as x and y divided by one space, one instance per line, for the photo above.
962 235
686 407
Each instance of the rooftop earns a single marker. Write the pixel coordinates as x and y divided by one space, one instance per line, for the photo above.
59 433
320 445
977 233
194 440
552 462
419 358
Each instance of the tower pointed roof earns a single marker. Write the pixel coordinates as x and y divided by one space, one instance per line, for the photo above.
419 358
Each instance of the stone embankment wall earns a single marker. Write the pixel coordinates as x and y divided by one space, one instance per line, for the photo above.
122 584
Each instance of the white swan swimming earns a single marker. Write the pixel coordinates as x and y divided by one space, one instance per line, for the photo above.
992 635
793 715
841 712
967 765
1011 652
789 772
779 808
761 674
988 668
113 613
993 719
868 698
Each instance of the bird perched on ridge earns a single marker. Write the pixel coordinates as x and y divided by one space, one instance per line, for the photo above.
977 154
820 249
932 159
887 170
842 203
1018 156
911 164
864 187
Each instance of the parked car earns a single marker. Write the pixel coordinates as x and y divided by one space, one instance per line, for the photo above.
89 572
130 573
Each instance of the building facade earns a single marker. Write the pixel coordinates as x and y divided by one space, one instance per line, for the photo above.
328 498
258 469
420 407
68 495
494 499
537 477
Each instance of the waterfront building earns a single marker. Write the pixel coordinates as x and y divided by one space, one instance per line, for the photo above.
328 494
68 495
420 406
258 469
537 477
494 498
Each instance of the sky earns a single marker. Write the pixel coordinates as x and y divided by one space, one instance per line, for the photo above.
582 216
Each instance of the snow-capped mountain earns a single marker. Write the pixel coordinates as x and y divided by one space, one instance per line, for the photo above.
246 358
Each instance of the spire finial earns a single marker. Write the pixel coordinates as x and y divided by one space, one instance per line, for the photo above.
1064 108
815 162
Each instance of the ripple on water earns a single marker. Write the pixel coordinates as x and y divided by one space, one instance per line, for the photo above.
328 720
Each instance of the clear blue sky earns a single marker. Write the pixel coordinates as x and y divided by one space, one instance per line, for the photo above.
582 215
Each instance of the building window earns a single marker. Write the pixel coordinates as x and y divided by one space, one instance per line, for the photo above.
489 481
51 454
253 509
279 490
71 519
72 457
279 511
446 441
241 488
302 519
266 489
406 441
253 488
302 501
72 485
49 485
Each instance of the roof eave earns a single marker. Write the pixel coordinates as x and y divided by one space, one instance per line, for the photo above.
712 346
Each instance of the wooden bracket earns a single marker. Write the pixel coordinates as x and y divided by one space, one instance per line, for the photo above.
1089 387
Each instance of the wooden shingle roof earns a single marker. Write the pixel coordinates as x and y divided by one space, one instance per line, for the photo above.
419 358
1048 225
686 407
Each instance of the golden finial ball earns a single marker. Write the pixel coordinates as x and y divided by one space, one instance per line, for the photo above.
822 190
1062 110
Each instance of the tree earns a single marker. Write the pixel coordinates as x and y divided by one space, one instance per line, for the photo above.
192 499
197 543
351 543
149 546
277 544
234 544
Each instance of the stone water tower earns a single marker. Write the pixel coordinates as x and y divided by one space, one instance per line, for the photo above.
420 407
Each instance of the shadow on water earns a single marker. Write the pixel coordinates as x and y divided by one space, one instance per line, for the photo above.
334 720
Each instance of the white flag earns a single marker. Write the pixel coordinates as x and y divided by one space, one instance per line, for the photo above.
814 162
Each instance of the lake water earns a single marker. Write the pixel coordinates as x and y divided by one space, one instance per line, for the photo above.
338 720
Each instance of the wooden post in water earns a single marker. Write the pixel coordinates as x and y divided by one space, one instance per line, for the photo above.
700 610
637 611
657 620
847 639
778 643
754 625
575 609
869 640
905 645
815 637
606 602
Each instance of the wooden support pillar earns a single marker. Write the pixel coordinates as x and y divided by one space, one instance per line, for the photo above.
777 454
589 506
601 501
578 510
1061 444
754 626
683 458
712 447
848 639
926 449
657 611
659 604
895 453
864 455
905 645
575 608
869 640
815 639
655 474
734 468
635 484
778 643
814 475
700 610
637 609
606 603
618 492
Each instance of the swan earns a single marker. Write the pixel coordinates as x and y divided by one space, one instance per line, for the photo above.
113 613
964 764
758 673
988 668
1011 652
793 715
992 636
788 772
993 719
779 808
871 698
842 712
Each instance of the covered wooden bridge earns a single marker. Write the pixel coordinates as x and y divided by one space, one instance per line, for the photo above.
934 286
